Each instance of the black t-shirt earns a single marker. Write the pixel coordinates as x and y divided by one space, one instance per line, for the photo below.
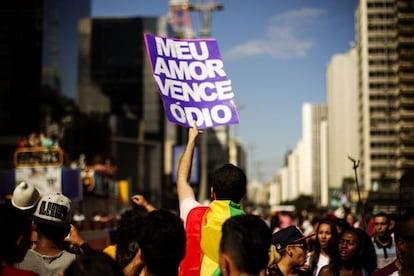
274 270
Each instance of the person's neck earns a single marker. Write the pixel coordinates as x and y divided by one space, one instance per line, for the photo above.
324 252
383 240
47 247
285 266
349 265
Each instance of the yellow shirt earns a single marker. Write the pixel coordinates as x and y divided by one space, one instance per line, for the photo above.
110 250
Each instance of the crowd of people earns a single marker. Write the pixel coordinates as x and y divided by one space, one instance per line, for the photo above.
42 139
37 237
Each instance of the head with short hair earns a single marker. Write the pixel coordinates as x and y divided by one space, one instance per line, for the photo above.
383 215
229 182
404 239
162 242
245 242
381 224
404 226
127 236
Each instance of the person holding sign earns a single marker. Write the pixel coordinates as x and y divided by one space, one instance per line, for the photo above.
203 223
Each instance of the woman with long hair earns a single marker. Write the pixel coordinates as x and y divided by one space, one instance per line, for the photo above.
325 246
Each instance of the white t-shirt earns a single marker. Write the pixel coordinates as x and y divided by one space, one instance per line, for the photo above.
186 206
322 261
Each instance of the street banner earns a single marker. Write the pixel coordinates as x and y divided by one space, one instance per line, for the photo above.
191 81
46 179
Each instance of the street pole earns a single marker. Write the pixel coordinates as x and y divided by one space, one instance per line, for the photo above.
205 10
361 204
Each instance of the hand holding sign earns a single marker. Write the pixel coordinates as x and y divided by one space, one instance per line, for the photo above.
192 82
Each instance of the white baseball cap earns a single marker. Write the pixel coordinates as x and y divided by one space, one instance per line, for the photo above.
25 196
53 209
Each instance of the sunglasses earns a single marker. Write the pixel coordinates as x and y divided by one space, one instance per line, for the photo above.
301 245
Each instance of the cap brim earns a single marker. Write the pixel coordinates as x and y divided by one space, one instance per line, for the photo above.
24 208
305 237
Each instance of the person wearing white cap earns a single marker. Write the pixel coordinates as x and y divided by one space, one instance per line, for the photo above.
25 197
52 223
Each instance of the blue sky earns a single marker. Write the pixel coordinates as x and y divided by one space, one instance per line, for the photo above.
275 52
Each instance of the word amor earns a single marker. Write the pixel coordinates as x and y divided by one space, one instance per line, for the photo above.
191 68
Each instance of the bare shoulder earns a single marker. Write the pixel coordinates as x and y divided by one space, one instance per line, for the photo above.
326 271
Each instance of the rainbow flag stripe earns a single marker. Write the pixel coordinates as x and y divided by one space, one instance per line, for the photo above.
217 214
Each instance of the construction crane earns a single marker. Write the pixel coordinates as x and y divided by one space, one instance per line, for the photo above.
180 17
205 10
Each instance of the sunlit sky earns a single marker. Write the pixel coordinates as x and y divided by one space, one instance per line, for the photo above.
275 52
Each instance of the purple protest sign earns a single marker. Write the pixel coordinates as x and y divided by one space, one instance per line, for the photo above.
191 80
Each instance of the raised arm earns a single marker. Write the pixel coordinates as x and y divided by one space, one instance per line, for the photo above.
141 201
184 189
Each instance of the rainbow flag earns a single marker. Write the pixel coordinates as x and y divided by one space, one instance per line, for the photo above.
207 237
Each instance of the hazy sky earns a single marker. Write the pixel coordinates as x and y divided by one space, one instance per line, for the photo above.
275 52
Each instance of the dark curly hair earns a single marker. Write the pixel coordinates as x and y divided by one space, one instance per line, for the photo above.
162 242
128 234
365 257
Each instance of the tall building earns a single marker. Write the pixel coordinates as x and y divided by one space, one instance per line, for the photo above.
312 117
20 50
60 44
20 75
384 32
323 156
342 117
288 182
115 80
35 41
294 188
305 169
282 185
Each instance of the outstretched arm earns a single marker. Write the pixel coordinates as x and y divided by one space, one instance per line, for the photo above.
184 189
141 201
